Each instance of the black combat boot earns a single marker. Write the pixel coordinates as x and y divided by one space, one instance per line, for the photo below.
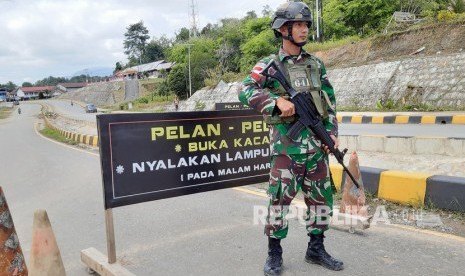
275 260
317 254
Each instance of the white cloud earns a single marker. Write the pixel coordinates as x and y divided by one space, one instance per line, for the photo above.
44 38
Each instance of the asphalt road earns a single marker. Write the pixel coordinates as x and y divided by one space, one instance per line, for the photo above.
74 111
211 233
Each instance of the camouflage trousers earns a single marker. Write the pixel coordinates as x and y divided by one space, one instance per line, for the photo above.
288 175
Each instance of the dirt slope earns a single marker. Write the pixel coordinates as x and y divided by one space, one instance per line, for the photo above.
439 38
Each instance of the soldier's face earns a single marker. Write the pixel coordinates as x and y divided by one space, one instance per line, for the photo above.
299 31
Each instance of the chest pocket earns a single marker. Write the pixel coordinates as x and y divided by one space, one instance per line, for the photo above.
299 77
305 77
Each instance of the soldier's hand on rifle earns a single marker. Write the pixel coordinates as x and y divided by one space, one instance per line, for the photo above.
336 144
286 107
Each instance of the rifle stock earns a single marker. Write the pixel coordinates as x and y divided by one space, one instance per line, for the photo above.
308 116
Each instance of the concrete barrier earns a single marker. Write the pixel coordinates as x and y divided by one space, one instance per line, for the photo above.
458 119
91 140
447 192
416 189
405 144
403 187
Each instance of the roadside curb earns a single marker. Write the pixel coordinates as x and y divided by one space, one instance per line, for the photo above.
91 140
408 188
402 119
450 146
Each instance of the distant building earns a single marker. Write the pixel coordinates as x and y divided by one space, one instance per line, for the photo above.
67 87
71 86
3 94
34 92
149 70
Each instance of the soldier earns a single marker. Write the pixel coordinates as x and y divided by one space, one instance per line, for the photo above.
176 102
302 163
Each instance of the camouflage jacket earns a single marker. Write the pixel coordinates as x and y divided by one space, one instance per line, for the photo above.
261 94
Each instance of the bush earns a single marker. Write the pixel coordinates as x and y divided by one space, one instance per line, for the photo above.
143 100
446 15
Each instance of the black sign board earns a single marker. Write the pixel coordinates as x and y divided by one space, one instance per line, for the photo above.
231 106
149 156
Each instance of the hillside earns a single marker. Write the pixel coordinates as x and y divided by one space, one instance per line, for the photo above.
438 38
395 73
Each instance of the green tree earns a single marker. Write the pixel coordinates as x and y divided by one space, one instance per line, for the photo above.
203 56
255 26
251 15
229 39
153 52
26 84
50 81
333 18
135 41
256 48
209 30
118 67
182 36
177 80
267 11
10 86
80 78
163 89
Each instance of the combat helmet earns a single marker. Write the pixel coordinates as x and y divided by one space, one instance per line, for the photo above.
290 12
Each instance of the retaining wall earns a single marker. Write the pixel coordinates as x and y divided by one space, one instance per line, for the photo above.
435 80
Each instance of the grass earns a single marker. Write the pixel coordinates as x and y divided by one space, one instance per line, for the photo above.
458 215
56 135
331 44
5 112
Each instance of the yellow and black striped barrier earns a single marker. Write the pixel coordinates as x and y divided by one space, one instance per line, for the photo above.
402 119
91 140
409 188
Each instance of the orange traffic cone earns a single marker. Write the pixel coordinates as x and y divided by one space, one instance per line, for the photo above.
45 259
11 256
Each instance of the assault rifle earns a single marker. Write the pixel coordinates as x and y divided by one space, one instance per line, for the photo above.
308 116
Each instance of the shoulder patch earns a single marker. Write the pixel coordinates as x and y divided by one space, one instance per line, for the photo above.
255 74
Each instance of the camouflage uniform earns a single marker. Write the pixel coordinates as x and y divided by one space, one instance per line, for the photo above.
299 164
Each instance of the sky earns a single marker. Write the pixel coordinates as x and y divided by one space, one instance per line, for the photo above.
42 38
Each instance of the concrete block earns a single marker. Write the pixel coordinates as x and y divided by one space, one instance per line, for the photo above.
336 174
446 192
399 144
349 142
371 177
372 143
342 141
403 187
455 147
429 145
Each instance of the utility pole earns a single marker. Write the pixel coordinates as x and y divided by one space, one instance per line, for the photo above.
319 20
190 81
189 64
